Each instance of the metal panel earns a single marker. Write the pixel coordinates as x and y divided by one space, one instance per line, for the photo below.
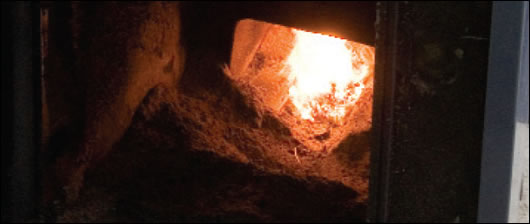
500 160
431 68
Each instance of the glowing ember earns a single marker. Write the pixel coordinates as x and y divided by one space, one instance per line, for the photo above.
326 75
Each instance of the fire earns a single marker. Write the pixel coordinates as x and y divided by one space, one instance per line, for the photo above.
326 75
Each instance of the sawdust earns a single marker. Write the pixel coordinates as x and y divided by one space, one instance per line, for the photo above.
229 124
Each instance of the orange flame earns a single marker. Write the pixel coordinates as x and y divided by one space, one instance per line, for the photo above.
326 75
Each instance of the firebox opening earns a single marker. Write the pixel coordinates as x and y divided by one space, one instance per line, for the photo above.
318 86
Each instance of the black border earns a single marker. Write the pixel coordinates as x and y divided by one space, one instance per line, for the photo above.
21 110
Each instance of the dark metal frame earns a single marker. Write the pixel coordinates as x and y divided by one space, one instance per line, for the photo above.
20 109
422 170
383 104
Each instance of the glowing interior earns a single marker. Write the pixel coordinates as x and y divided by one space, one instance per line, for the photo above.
325 75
